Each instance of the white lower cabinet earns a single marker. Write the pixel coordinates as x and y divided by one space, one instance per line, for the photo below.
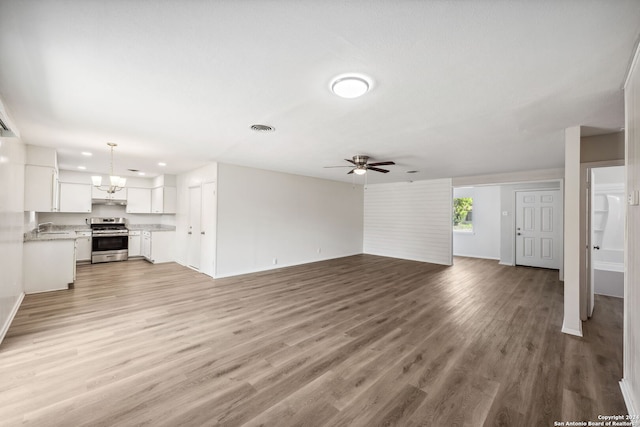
48 265
135 243
158 246
146 244
83 246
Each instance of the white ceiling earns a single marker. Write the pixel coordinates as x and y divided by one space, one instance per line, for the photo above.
460 87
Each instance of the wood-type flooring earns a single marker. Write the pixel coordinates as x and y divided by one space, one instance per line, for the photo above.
356 341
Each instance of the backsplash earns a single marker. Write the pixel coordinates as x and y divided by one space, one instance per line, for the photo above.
98 211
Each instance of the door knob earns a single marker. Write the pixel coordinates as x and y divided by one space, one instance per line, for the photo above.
189 232
202 232
518 234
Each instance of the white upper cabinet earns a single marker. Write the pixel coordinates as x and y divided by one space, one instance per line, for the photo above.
41 179
163 200
40 189
75 197
138 200
118 196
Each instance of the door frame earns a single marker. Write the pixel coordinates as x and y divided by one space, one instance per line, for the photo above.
585 231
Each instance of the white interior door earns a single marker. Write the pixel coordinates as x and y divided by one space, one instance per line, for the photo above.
208 230
538 228
193 231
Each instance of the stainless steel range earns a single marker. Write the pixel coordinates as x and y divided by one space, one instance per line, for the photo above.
109 240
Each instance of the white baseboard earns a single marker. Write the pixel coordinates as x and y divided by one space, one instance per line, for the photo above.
571 331
477 256
628 398
506 263
14 311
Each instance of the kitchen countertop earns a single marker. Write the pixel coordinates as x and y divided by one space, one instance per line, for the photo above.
55 232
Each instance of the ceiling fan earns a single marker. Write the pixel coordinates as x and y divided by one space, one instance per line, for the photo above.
361 165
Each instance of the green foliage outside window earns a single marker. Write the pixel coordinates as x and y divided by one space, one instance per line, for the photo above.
462 213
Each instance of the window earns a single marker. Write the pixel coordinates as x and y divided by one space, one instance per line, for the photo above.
463 214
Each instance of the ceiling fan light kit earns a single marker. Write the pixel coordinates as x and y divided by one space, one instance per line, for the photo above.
362 165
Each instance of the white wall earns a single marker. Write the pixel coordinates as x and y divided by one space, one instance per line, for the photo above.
484 241
630 383
410 220
264 215
12 157
193 178
572 323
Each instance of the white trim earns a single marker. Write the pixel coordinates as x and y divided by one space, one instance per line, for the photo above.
632 408
632 65
477 256
14 311
507 264
571 331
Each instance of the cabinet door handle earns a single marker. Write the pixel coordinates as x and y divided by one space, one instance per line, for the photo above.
189 232
202 232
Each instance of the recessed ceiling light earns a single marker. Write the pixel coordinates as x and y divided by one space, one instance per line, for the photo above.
162 164
82 167
141 173
86 153
350 85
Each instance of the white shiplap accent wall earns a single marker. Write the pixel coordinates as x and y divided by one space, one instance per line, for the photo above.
410 220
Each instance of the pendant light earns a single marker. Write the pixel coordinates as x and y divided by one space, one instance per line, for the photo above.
116 183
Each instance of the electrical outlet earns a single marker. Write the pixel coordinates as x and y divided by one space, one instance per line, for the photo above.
319 250
275 261
634 198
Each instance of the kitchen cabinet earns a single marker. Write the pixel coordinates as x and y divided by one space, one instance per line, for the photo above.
40 188
138 200
163 200
158 246
75 197
135 243
146 245
83 246
48 265
119 197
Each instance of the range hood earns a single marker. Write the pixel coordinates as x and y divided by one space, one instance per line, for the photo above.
109 202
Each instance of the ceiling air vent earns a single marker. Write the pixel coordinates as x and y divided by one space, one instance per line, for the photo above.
262 128
4 129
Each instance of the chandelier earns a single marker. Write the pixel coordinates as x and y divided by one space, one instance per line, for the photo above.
116 183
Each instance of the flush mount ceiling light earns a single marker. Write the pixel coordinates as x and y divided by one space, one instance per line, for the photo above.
116 183
350 85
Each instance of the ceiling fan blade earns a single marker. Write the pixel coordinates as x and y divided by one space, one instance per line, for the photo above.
337 166
381 163
350 172
350 161
377 169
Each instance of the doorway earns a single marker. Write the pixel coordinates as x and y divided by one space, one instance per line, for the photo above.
539 228
605 245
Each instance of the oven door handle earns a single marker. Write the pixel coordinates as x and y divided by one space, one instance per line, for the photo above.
110 235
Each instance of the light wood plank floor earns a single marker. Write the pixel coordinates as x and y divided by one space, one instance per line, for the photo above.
358 341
